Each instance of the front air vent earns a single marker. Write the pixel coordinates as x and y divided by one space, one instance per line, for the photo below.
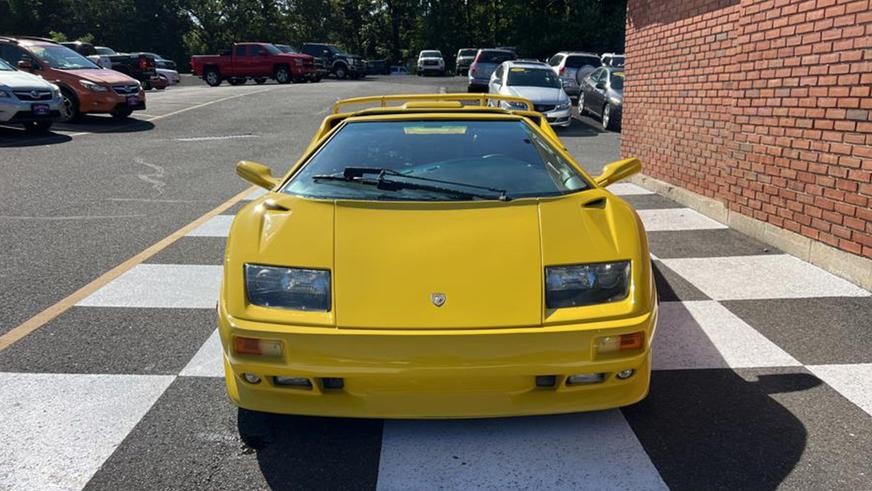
595 203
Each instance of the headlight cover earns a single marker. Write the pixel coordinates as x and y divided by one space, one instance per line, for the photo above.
92 86
586 284
563 107
288 288
522 106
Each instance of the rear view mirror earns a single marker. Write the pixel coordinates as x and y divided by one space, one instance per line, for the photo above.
620 169
257 174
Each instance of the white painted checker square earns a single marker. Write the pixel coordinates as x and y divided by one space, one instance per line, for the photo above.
217 226
761 277
161 286
627 189
257 193
578 451
209 360
657 220
704 334
853 381
58 429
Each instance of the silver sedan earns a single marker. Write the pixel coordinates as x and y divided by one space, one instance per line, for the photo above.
536 82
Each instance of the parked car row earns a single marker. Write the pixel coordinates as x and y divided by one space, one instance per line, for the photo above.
152 70
75 85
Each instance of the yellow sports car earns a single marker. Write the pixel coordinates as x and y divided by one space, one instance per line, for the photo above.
432 256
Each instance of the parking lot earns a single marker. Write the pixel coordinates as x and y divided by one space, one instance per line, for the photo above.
112 237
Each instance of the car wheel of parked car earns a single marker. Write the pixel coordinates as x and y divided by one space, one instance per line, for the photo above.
260 80
213 78
69 107
122 113
609 123
340 71
37 126
581 109
283 75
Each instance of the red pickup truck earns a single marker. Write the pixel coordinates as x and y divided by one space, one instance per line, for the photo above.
256 61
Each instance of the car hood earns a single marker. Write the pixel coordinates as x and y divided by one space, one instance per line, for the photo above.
102 76
22 81
539 95
388 259
429 58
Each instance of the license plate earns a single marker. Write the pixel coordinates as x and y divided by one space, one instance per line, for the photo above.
133 100
40 109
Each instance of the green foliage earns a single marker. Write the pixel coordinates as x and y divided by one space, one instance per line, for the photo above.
395 29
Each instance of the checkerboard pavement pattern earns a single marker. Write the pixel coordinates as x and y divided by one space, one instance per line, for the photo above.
762 379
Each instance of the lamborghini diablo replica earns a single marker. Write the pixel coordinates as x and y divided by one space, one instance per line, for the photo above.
432 256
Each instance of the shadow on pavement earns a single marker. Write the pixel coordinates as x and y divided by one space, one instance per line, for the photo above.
716 427
13 137
579 127
298 452
105 124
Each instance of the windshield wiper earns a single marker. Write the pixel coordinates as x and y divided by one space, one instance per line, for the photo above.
356 174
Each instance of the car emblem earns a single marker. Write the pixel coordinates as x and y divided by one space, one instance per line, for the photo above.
35 94
438 299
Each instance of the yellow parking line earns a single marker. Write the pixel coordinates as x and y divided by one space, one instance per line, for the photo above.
62 306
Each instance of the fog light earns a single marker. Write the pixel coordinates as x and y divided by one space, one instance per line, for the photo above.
585 378
625 374
301 382
622 342
256 347
332 383
251 378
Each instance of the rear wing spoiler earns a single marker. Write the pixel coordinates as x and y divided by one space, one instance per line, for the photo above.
421 101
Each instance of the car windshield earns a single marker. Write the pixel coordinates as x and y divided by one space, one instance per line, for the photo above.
431 54
467 52
104 50
272 49
284 48
617 80
452 156
533 77
5 67
495 57
62 58
581 61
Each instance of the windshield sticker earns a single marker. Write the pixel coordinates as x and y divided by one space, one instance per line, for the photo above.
434 130
519 69
618 74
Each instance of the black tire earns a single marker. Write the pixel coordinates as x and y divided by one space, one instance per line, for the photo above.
341 71
581 109
260 80
237 81
69 107
38 126
146 85
611 122
282 75
122 113
212 77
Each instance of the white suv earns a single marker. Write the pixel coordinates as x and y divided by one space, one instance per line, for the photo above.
27 99
430 61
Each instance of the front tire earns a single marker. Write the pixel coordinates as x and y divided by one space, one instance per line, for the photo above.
610 121
341 72
582 110
37 126
283 75
69 107
212 77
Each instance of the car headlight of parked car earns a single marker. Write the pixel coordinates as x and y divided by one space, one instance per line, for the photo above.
92 86
4 93
562 107
288 288
522 106
586 284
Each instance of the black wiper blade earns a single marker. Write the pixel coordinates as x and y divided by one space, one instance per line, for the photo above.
356 175
357 172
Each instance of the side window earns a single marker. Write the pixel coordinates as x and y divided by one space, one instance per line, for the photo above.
11 54
554 61
239 50
499 73
256 50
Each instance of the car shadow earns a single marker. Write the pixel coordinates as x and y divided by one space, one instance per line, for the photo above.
342 450
14 137
579 127
105 124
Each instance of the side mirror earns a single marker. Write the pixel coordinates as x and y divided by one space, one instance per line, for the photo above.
25 65
257 174
620 169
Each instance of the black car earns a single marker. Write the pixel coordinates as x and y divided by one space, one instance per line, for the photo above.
321 70
340 63
602 94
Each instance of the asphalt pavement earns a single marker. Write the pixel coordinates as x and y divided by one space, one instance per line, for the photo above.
762 372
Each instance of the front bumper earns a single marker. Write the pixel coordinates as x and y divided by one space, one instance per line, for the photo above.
106 102
561 118
13 110
436 374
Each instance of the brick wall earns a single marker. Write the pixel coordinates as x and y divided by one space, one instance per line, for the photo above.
764 105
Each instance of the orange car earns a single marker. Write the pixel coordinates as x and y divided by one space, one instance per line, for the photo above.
85 87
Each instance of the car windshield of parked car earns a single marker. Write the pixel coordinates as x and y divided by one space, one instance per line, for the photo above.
62 58
467 52
104 50
284 48
495 57
617 61
617 80
5 67
532 77
431 54
271 49
436 161
582 61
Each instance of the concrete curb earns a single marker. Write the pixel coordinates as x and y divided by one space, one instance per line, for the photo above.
853 268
